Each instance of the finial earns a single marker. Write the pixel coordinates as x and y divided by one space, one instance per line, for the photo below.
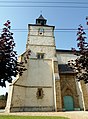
41 11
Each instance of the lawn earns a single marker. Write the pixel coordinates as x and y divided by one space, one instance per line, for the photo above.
30 117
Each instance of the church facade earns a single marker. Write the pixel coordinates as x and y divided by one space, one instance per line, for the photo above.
48 84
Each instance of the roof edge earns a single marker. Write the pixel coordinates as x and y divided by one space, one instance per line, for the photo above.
41 25
62 50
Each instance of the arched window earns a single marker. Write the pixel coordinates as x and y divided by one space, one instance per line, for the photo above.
41 31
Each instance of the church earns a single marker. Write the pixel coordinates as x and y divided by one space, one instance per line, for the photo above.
48 84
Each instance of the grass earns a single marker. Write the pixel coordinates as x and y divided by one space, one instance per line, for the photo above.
30 117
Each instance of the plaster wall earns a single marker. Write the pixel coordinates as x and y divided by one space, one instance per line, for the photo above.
63 58
38 73
24 94
26 97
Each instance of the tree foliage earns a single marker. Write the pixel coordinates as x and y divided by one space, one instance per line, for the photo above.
9 65
80 65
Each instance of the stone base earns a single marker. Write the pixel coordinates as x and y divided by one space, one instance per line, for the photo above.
76 109
32 109
59 110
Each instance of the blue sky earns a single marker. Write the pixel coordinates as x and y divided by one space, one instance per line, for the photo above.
60 17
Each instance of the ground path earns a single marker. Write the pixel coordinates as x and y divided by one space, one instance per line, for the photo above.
71 115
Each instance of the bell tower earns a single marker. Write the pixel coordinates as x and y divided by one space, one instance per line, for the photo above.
41 20
35 89
41 39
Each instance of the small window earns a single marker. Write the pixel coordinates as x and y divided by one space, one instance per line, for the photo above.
40 55
41 31
39 93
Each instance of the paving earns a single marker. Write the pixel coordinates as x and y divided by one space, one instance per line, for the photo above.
70 115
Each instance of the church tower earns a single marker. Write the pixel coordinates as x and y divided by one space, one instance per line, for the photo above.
35 89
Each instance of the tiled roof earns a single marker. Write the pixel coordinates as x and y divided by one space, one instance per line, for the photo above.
41 17
64 68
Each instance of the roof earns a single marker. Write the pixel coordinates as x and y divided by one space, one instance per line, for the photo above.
61 50
64 68
66 51
41 17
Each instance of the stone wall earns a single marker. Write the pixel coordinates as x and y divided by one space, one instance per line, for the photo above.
58 95
85 94
68 88
2 104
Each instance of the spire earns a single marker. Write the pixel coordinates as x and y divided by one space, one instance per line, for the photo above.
41 20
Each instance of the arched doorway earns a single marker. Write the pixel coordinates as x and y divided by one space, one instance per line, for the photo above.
68 103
